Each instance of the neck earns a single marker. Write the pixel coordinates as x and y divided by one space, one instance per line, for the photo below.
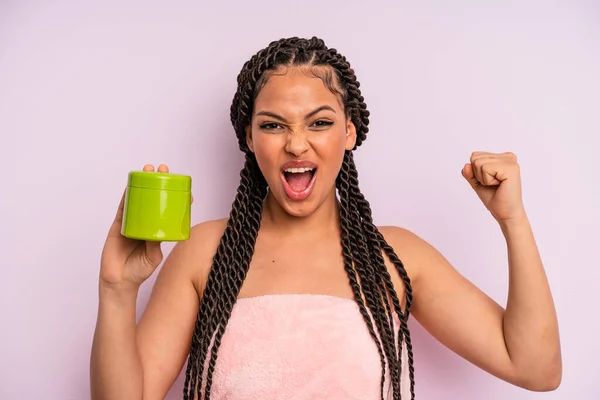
323 220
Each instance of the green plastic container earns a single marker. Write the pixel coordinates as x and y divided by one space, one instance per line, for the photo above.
157 207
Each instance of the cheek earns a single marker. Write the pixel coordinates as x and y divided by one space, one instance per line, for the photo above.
332 147
266 153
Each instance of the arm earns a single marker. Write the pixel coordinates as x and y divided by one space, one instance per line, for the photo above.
115 367
142 362
521 344
530 322
124 364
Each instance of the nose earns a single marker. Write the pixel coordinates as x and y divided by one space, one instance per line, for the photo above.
297 144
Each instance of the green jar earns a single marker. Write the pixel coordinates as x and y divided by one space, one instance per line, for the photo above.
157 206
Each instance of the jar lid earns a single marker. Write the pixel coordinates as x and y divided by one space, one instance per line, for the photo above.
160 181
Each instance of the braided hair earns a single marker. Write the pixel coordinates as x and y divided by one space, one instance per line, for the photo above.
362 243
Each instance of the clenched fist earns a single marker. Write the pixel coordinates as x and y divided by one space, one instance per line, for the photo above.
496 178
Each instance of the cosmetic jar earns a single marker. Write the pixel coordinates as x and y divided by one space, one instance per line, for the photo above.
157 206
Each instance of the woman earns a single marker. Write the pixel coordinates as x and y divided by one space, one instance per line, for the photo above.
297 294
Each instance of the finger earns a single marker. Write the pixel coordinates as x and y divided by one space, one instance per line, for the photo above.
163 168
490 176
192 199
119 216
485 162
489 173
477 164
478 158
148 168
477 154
154 254
469 175
115 227
496 156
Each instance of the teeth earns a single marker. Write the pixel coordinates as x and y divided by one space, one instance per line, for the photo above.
298 170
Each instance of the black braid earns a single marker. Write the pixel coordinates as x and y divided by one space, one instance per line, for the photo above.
377 244
352 267
362 243
372 284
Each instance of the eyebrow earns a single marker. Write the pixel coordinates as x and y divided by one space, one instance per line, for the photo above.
282 119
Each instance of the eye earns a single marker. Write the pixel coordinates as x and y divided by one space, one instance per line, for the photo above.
270 126
322 124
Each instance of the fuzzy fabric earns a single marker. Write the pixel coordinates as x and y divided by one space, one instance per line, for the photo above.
299 347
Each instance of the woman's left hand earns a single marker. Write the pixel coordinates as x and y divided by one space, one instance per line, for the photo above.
496 178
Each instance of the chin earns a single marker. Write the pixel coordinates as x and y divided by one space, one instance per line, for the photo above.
299 210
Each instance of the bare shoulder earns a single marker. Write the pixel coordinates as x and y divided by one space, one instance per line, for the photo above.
415 252
190 260
199 250
205 236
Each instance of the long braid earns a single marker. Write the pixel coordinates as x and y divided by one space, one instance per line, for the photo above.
374 258
351 266
403 316
225 278
236 273
362 243
378 243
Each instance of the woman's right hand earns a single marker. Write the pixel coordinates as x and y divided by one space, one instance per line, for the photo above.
127 263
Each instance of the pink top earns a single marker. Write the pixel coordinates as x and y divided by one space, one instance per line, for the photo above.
299 346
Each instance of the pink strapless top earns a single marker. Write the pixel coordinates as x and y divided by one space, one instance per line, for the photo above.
299 346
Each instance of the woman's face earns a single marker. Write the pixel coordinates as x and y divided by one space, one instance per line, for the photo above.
299 134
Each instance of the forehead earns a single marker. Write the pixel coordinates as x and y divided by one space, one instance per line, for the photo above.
295 90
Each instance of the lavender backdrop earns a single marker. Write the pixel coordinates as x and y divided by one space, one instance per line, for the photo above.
89 91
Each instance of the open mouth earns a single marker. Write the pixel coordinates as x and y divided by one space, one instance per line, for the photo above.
298 180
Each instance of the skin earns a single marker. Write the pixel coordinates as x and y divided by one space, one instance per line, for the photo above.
519 344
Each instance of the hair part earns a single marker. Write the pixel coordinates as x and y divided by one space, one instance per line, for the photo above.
362 243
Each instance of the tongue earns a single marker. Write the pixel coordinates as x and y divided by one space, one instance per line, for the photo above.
298 181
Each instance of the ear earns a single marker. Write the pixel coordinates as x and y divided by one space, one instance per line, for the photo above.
249 138
350 135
